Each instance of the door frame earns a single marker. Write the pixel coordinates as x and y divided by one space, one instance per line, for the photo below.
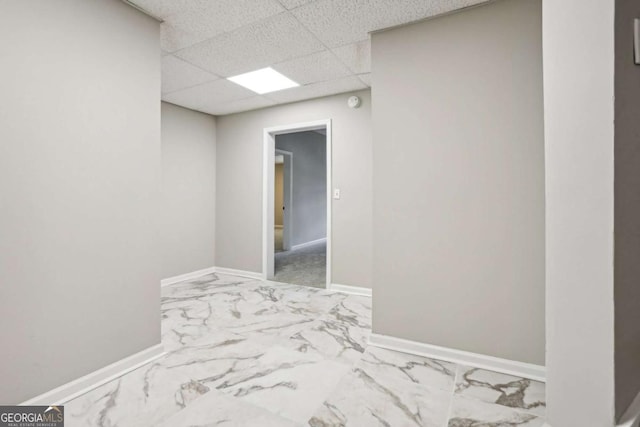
268 183
287 199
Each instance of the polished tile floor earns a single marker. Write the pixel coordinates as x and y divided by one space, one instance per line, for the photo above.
242 352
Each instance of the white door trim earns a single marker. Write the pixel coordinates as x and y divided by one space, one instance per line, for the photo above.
287 215
268 177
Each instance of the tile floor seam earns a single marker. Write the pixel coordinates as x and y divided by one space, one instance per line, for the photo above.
453 393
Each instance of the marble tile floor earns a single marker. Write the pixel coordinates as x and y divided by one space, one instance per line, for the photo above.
244 352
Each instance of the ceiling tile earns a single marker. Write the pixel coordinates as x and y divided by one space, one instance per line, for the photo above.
337 22
340 22
216 17
356 56
173 39
254 46
177 74
218 38
198 97
317 90
366 78
219 109
164 8
317 67
292 4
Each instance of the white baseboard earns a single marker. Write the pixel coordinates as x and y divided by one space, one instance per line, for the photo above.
353 290
631 417
491 363
304 245
241 273
84 384
195 274
187 276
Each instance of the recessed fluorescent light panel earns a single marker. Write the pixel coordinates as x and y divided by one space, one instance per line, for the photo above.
264 80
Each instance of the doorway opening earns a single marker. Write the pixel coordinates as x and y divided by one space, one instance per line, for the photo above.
297 204
283 193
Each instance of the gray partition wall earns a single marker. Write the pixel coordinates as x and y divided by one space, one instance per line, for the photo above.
458 219
79 190
188 211
579 170
627 208
239 184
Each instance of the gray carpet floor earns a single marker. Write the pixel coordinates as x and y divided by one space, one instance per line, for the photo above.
278 239
306 266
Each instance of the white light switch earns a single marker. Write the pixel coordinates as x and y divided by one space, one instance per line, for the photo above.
336 193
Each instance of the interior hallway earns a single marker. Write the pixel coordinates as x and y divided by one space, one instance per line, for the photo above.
485 176
254 353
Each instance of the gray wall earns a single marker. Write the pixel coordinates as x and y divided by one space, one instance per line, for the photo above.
627 208
188 190
79 190
459 181
239 184
578 103
309 221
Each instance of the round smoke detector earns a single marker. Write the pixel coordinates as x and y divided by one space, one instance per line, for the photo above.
353 102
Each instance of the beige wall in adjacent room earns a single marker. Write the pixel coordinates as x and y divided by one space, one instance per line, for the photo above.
188 190
627 208
79 190
459 181
278 194
239 184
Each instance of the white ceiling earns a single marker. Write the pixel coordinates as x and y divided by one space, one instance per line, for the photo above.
322 44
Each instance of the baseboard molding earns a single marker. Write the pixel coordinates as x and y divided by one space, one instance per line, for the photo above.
353 290
195 274
304 245
631 417
241 273
82 385
511 367
187 276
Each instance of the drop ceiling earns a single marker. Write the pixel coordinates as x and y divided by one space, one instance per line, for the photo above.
323 45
